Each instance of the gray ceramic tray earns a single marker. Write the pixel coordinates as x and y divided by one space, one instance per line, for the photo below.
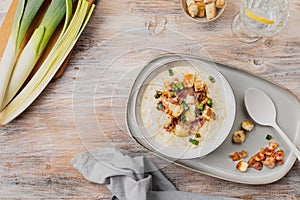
217 163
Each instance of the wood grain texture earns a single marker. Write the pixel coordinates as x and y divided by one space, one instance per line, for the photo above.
84 109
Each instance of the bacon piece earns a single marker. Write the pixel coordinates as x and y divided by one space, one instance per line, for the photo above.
259 156
182 94
279 157
195 126
269 162
238 155
255 164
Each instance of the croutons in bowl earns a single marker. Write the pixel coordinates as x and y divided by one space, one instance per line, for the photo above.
203 11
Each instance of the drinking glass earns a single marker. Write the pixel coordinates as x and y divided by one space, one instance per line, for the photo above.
259 18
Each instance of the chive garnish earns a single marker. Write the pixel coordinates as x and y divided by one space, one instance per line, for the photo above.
171 73
201 106
197 112
172 94
173 87
197 135
183 119
184 105
269 137
160 106
179 85
194 142
212 79
157 94
209 102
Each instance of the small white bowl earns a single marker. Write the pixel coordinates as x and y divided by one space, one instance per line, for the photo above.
220 11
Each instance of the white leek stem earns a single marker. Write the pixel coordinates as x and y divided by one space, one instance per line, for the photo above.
50 66
26 11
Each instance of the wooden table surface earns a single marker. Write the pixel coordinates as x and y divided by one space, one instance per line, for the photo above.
84 109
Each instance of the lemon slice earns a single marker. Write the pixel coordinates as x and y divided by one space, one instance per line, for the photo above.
258 18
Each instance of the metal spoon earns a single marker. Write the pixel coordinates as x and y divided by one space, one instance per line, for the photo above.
262 110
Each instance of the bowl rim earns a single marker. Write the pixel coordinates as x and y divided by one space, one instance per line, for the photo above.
219 14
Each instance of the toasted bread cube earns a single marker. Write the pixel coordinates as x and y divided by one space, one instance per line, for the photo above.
239 136
193 10
176 110
190 115
180 131
242 166
220 3
273 145
247 125
209 1
211 10
201 8
189 2
208 114
188 80
199 86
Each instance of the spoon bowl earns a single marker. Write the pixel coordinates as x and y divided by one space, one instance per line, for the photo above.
262 110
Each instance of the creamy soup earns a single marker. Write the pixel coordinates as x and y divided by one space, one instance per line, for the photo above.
183 107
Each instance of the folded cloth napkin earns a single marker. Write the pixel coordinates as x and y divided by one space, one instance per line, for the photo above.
130 178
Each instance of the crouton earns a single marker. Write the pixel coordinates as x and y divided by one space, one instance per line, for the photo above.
239 136
211 10
220 3
193 10
242 166
189 80
208 114
201 8
247 125
189 2
199 86
208 1
180 131
176 109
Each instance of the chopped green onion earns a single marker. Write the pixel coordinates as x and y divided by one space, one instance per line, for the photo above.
212 79
172 94
197 112
183 119
157 94
184 105
197 135
269 137
173 86
209 102
200 97
201 107
171 73
160 106
194 142
179 85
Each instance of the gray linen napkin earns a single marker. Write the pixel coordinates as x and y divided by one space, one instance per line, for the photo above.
130 178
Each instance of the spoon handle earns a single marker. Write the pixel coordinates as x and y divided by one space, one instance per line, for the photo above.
295 150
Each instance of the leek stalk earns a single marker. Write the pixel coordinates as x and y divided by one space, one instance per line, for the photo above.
34 48
25 13
52 63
